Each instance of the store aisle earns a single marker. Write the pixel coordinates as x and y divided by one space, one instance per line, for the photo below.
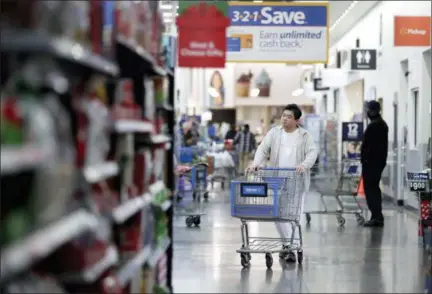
350 260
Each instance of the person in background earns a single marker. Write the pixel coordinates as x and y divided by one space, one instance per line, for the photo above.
189 135
245 142
211 131
374 159
288 146
272 124
230 135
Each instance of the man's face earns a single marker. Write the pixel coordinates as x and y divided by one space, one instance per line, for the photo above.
288 120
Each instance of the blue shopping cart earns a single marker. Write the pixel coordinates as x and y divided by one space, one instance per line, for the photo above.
187 154
269 194
190 186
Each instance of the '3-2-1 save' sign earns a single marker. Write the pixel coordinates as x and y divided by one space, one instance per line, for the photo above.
352 131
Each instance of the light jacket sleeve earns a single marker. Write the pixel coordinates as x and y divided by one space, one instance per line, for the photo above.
311 152
263 150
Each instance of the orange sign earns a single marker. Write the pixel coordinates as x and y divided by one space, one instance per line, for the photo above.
412 31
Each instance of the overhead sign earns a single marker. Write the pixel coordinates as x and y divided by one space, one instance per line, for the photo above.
202 35
294 32
412 31
352 131
363 59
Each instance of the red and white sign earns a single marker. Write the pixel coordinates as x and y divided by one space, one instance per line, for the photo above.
202 37
201 48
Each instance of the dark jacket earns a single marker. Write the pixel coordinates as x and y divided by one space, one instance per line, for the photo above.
375 144
230 135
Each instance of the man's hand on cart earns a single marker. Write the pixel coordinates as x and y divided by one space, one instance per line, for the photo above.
253 168
300 168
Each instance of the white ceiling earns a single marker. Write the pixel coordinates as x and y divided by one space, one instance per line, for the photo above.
343 15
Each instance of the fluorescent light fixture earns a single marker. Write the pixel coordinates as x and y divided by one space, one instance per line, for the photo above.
166 6
255 92
344 14
297 92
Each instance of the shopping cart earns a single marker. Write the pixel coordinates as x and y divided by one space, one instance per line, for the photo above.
189 186
186 155
221 168
338 181
270 194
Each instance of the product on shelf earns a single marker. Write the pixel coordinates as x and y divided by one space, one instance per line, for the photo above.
149 108
144 24
29 121
143 169
32 283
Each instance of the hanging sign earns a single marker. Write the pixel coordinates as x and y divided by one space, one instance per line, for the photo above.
294 32
202 34
363 59
352 131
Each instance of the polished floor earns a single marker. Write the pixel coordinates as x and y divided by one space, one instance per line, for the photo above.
352 259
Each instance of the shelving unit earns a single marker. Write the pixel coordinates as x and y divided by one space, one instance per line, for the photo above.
82 214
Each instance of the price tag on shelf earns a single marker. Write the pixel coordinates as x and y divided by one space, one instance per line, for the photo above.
418 182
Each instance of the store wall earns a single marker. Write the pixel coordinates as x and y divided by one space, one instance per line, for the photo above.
353 104
284 80
388 75
400 72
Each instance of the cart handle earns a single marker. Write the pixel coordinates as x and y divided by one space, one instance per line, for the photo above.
274 169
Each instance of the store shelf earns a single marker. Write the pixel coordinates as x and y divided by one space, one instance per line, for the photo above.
166 205
133 47
92 273
30 41
102 171
15 159
159 251
156 188
42 242
165 107
133 126
130 208
132 267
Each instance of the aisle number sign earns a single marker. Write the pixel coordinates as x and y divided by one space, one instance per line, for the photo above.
278 32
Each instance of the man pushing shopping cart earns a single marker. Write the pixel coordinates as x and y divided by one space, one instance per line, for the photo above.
292 154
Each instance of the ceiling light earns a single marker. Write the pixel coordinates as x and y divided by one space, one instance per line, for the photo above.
344 14
297 92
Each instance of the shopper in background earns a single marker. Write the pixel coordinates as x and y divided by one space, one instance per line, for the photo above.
245 142
230 135
288 145
374 159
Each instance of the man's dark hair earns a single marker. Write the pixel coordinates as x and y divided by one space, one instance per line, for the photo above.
246 128
295 110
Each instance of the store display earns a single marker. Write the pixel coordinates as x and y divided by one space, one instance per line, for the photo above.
243 85
85 201
263 83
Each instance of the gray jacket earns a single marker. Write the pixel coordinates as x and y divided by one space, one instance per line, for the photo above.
306 151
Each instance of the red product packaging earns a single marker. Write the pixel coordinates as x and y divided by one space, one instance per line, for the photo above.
143 169
126 108
79 254
130 237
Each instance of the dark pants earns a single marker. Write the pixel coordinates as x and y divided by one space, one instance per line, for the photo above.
371 181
